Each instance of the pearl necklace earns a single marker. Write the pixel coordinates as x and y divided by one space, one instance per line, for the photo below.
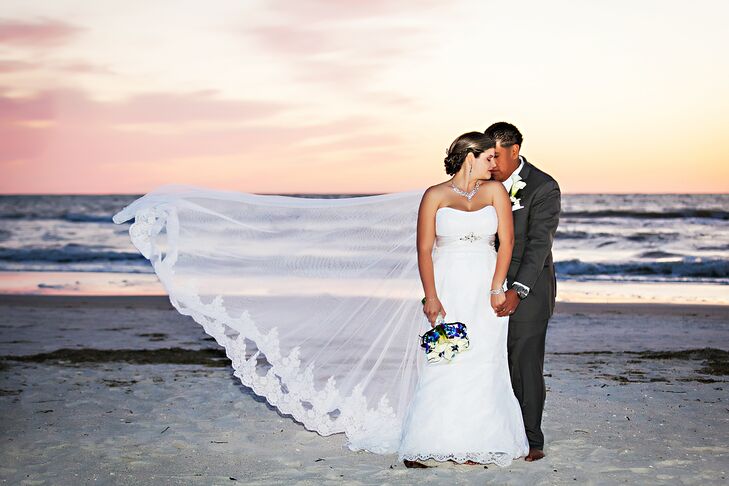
468 195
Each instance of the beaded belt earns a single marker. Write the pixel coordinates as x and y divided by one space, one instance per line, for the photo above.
467 240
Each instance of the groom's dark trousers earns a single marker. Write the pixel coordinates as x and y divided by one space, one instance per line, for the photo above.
531 264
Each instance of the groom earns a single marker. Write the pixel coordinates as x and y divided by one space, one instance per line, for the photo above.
531 280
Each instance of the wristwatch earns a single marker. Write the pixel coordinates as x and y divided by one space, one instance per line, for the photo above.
521 290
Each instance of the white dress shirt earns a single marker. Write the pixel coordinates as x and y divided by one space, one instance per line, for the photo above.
507 184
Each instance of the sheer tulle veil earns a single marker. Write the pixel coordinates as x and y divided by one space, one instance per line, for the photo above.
316 301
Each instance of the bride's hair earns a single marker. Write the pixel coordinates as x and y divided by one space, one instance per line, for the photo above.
475 142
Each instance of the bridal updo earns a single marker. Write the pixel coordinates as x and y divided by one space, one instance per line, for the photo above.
475 142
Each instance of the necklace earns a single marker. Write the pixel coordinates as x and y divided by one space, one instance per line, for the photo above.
467 195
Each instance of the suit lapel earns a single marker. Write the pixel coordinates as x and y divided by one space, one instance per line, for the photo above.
520 221
525 170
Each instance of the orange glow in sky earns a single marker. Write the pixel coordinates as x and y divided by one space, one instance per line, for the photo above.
348 96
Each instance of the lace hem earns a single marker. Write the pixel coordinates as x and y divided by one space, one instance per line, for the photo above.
285 384
501 459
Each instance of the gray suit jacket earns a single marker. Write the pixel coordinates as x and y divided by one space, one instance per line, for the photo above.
534 227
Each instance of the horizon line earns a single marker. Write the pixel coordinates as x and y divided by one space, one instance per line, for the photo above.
358 193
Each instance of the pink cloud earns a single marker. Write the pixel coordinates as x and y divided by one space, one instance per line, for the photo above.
80 147
73 106
80 132
290 39
392 99
351 61
295 41
15 66
15 110
43 32
21 143
74 67
313 11
320 42
83 67
370 141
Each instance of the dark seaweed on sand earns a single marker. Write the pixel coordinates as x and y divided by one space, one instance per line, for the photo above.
205 357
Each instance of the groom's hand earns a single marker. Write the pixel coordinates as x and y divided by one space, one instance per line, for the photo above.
509 305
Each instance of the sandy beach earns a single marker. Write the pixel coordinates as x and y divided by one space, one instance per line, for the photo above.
124 390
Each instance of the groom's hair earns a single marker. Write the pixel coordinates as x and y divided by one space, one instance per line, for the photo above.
504 133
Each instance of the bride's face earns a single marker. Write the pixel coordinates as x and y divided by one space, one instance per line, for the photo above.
483 165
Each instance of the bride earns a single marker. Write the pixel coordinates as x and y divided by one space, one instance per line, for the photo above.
464 280
317 303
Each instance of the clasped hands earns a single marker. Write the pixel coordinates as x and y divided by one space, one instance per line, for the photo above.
505 304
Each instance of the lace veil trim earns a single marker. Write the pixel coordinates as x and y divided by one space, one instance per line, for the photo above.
370 423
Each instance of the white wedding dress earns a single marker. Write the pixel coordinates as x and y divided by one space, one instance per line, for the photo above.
316 302
465 409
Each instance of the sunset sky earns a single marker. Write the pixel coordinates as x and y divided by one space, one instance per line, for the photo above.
358 96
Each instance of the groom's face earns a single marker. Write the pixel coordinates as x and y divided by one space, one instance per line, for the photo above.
505 161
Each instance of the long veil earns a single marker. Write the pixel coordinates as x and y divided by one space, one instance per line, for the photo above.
316 301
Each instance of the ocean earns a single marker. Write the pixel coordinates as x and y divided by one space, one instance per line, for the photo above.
666 238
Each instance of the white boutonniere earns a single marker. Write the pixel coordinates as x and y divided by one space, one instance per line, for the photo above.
515 192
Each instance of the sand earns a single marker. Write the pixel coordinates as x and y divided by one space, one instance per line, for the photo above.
124 390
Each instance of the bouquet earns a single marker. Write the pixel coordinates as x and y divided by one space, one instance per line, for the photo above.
444 340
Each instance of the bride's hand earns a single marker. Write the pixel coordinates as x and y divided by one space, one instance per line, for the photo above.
497 300
432 308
